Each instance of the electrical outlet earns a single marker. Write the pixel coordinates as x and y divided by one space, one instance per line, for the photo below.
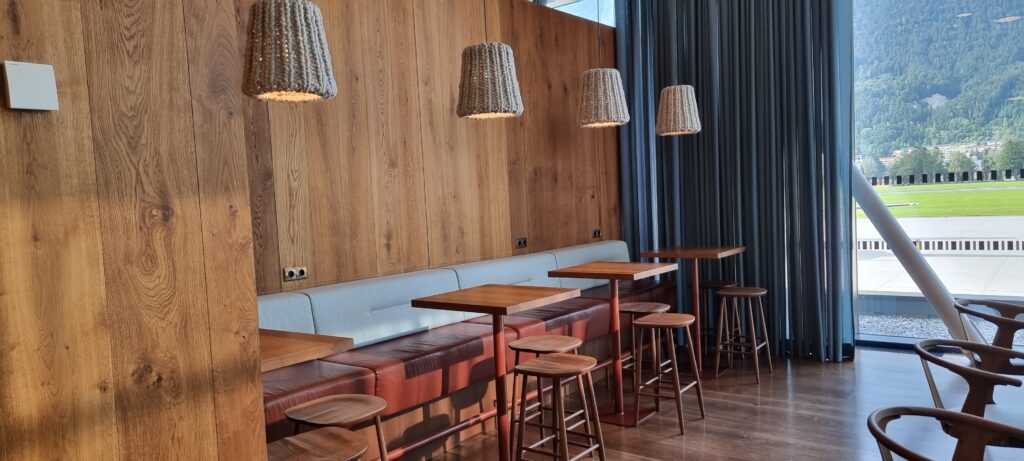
521 242
292 274
597 233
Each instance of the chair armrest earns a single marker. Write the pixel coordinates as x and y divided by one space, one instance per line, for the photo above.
973 434
1008 312
989 354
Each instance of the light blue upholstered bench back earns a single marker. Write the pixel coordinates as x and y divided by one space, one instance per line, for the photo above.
378 309
610 250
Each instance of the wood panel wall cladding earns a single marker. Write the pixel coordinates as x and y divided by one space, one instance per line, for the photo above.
386 179
131 219
128 325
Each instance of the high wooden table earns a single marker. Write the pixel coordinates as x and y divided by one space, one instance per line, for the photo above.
498 301
695 254
279 349
614 272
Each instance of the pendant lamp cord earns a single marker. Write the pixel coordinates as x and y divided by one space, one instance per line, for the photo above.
599 35
485 21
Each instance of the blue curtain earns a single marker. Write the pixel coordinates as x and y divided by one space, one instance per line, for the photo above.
634 44
771 168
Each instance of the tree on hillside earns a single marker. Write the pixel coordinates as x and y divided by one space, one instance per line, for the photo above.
917 162
989 160
960 163
1011 157
872 168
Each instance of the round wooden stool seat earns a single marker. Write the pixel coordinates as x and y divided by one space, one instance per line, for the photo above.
557 365
716 284
743 292
665 320
341 410
644 308
326 444
546 344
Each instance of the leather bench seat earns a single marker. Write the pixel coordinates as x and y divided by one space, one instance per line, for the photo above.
410 357
299 383
586 319
637 292
421 367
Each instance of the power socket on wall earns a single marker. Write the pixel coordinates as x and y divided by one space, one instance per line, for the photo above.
597 233
521 242
292 274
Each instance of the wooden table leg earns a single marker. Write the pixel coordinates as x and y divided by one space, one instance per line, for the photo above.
616 413
504 448
616 327
695 299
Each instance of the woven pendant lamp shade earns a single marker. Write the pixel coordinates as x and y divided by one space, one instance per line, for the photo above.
288 58
489 87
602 101
677 112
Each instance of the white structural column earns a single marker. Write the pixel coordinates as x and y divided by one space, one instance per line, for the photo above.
912 260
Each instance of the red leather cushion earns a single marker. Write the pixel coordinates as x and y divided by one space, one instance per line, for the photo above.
418 368
586 319
646 290
289 386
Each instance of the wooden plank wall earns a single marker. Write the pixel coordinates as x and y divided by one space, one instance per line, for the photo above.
131 219
127 299
386 179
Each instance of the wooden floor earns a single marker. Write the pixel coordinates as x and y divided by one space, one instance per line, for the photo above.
804 411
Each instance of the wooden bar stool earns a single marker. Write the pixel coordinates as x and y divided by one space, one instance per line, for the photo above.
342 411
709 291
540 345
561 369
666 324
326 444
635 311
731 336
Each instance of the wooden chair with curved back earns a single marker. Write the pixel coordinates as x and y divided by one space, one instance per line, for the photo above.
981 384
1007 325
973 434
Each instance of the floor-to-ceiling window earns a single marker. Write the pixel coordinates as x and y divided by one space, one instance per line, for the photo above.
939 88
602 11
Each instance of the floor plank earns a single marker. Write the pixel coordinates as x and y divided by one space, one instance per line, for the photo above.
804 411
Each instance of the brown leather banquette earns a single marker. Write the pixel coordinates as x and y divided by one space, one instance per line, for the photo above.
411 357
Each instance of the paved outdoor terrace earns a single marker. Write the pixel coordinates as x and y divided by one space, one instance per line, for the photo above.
963 274
994 276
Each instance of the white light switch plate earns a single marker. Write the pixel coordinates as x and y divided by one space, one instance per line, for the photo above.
30 86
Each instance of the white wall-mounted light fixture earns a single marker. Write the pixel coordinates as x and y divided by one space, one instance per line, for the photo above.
30 86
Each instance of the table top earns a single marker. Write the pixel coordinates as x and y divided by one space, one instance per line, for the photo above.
694 252
279 349
614 270
496 299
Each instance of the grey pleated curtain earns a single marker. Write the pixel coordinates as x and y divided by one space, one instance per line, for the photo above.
770 170
634 53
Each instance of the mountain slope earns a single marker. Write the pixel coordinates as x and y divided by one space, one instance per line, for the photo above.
931 72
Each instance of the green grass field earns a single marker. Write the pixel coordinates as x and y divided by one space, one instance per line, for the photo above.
956 199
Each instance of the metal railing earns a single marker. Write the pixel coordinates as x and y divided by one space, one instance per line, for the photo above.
990 246
939 178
